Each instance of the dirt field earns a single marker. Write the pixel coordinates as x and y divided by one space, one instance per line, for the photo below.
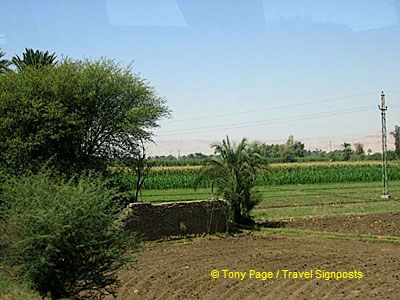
182 270
387 224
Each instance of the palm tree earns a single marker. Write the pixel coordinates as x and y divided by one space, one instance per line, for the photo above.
4 64
34 58
396 135
346 151
233 172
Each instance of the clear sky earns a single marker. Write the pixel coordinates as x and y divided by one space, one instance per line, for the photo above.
260 69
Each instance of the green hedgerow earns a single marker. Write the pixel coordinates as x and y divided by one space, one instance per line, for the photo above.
64 236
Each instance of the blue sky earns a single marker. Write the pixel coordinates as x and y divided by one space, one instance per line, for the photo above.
222 59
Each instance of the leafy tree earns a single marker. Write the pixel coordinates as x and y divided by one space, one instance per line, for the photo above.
286 152
298 148
233 172
62 236
4 64
396 135
346 151
34 59
359 149
74 116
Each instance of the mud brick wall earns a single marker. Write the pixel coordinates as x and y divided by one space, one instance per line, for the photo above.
152 222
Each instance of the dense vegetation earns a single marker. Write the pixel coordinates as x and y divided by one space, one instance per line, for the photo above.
73 116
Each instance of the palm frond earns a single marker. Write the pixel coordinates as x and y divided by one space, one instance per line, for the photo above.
34 58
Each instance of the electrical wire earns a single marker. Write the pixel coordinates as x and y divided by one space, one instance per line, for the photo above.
273 108
264 122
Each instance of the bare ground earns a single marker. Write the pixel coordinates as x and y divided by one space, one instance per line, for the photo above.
181 270
382 224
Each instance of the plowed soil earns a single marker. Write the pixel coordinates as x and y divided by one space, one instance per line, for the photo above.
181 270
382 224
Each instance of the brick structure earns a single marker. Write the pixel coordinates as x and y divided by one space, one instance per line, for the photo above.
158 221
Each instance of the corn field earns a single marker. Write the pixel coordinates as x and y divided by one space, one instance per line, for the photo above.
276 174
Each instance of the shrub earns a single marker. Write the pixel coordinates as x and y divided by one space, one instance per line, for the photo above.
63 236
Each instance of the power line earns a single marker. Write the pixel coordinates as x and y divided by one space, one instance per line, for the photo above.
265 122
270 108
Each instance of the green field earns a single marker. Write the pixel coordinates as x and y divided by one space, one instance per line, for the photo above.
276 174
301 200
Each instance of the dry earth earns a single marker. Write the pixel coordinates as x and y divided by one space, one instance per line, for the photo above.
387 224
181 270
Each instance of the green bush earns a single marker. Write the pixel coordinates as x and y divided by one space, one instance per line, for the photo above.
64 236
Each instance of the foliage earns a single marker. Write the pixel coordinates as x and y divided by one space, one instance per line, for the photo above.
391 155
4 64
63 236
396 135
31 58
233 172
74 116
359 149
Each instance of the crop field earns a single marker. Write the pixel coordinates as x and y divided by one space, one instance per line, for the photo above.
301 200
277 174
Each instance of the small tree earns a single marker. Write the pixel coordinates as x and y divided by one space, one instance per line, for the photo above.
64 236
142 168
396 135
233 173
140 164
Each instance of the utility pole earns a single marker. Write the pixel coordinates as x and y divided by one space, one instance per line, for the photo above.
383 109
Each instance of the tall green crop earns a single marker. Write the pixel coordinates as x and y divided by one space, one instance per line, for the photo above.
278 174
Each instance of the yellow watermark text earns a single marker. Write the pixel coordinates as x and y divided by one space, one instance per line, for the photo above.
264 275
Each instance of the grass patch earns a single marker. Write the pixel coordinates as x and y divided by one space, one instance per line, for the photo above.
326 210
301 200
12 289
